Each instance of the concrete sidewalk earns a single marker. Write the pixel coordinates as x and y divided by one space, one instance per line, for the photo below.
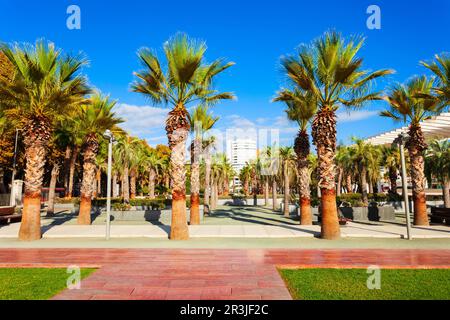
352 230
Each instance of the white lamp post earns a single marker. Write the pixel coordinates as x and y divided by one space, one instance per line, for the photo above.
12 200
108 135
400 141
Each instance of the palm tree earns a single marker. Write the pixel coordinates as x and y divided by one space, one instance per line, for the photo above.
245 176
125 152
152 163
392 162
301 107
332 73
201 121
287 161
187 79
361 153
46 86
96 117
437 165
411 103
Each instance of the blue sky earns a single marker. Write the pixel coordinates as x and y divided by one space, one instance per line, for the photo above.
254 34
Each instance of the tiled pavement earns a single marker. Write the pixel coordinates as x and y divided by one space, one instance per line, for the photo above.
204 273
352 230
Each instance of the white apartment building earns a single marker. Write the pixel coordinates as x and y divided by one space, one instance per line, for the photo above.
240 151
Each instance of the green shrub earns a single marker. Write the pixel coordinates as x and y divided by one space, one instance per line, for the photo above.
67 201
121 207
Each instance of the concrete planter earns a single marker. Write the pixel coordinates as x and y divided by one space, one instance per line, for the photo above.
385 213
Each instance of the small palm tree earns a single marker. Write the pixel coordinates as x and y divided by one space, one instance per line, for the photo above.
96 117
152 163
201 122
363 155
46 86
437 165
125 153
392 162
331 71
301 108
411 103
187 79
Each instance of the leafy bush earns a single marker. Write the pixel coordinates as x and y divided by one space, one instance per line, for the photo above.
121 207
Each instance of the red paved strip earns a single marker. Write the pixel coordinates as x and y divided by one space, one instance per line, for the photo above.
205 273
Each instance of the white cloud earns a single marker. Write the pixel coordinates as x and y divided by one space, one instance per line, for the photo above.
141 121
239 122
354 115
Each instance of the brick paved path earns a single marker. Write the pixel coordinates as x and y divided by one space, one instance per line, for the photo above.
203 273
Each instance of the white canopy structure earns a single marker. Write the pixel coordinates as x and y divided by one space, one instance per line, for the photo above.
437 127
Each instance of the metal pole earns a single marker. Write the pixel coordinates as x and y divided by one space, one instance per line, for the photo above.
405 191
108 191
12 199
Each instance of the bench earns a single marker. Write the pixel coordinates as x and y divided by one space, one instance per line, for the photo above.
8 215
440 215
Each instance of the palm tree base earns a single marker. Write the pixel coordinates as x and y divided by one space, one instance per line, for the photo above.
179 229
305 211
195 209
30 227
420 210
84 215
330 229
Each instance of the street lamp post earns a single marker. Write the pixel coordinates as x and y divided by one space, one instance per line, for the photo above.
12 199
401 141
108 135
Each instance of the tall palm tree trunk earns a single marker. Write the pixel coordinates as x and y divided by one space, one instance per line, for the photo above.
446 193
51 192
207 177
195 181
324 137
286 190
126 184
363 182
132 183
266 192
151 183
348 183
274 195
36 137
177 128
87 185
99 182
66 167
339 181
302 149
115 193
73 161
416 145
393 180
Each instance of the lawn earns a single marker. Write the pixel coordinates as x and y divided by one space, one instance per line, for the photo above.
33 283
350 284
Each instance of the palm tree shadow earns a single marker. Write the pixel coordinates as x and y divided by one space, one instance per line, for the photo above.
57 220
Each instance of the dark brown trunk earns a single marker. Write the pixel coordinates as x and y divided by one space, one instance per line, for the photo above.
51 192
73 161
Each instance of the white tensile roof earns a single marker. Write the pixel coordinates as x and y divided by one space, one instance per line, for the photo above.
437 127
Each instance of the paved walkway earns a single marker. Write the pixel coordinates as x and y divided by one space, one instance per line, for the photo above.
352 230
203 274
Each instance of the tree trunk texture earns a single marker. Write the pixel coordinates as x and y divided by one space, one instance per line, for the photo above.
73 161
339 181
195 181
266 192
274 195
51 192
393 180
126 184
133 183
151 183
324 138
99 182
115 192
348 182
207 176
88 183
177 128
286 190
66 168
418 186
302 149
446 193
363 182
36 137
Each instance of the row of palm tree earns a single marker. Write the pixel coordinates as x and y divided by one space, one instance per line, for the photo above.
328 75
